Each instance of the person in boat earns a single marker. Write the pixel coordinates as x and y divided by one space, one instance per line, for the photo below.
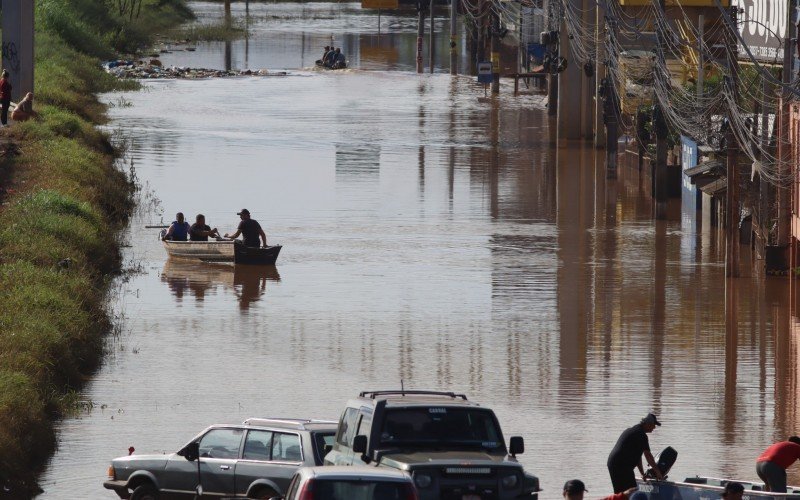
574 490
249 229
329 57
733 491
772 464
200 231
324 55
627 454
24 110
339 61
178 230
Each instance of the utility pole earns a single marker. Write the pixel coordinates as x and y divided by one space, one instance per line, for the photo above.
732 197
661 130
701 61
553 52
494 31
611 104
600 75
18 42
784 202
453 36
420 32
431 41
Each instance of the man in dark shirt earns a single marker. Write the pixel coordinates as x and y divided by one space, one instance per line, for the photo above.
249 229
200 231
627 454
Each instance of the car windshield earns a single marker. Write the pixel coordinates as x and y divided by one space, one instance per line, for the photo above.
336 489
441 425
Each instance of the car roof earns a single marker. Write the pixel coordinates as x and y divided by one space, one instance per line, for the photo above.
298 424
356 472
414 398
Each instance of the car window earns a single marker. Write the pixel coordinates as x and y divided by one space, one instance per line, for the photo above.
332 489
286 448
256 445
323 444
347 427
364 425
221 443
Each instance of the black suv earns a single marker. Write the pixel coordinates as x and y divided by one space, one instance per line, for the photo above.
453 448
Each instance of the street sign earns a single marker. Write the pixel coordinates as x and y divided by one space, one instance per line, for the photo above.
379 4
485 72
762 25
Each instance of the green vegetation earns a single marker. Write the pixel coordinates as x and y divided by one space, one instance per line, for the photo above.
64 203
221 31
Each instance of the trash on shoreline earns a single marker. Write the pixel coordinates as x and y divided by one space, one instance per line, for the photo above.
153 69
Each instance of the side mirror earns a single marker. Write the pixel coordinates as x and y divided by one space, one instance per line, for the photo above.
191 452
516 446
360 444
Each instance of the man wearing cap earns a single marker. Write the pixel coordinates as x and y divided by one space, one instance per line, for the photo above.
627 454
249 229
574 490
772 464
733 491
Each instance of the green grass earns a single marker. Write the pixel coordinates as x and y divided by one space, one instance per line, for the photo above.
210 32
68 203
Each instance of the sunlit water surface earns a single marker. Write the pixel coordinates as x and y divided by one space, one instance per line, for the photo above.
430 237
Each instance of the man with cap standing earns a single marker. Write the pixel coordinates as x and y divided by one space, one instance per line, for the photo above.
249 229
627 454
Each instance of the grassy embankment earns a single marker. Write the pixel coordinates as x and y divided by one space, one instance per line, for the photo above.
63 198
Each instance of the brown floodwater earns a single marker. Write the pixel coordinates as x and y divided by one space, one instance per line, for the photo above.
432 237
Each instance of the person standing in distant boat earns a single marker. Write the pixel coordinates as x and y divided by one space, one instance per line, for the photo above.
772 464
200 231
5 98
249 229
339 61
178 230
627 454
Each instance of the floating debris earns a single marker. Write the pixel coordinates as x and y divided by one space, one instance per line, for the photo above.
154 69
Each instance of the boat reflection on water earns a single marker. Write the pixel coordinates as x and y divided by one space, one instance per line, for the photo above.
199 279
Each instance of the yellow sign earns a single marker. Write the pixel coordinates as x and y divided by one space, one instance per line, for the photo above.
379 4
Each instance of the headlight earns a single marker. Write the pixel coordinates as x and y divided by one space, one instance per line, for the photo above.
510 481
422 480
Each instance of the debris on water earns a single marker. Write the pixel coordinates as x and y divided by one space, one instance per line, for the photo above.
154 69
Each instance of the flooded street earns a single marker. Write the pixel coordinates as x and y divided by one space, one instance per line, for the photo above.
432 237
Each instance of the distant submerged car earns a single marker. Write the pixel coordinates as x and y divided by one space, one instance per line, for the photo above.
255 459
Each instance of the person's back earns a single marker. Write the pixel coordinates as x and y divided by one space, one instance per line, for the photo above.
784 454
772 464
329 57
251 230
340 60
628 450
180 231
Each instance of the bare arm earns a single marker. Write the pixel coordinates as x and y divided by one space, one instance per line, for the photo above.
234 235
263 236
169 231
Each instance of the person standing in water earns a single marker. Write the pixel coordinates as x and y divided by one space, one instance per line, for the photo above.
627 454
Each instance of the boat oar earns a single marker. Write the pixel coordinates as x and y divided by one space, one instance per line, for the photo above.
162 226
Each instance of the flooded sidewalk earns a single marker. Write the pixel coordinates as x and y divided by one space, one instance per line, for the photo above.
430 236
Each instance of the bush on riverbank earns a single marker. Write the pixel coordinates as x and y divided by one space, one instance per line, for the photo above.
64 203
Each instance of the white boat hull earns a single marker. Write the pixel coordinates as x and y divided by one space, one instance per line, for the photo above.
209 251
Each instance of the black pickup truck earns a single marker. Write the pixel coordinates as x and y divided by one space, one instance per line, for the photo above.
453 448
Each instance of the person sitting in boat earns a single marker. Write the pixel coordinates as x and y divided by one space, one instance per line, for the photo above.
200 231
324 55
178 230
574 490
733 491
772 464
339 60
250 230
330 57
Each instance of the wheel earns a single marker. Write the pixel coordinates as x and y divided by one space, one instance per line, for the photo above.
145 491
263 493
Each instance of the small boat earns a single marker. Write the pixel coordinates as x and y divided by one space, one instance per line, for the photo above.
222 251
208 251
699 487
322 66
